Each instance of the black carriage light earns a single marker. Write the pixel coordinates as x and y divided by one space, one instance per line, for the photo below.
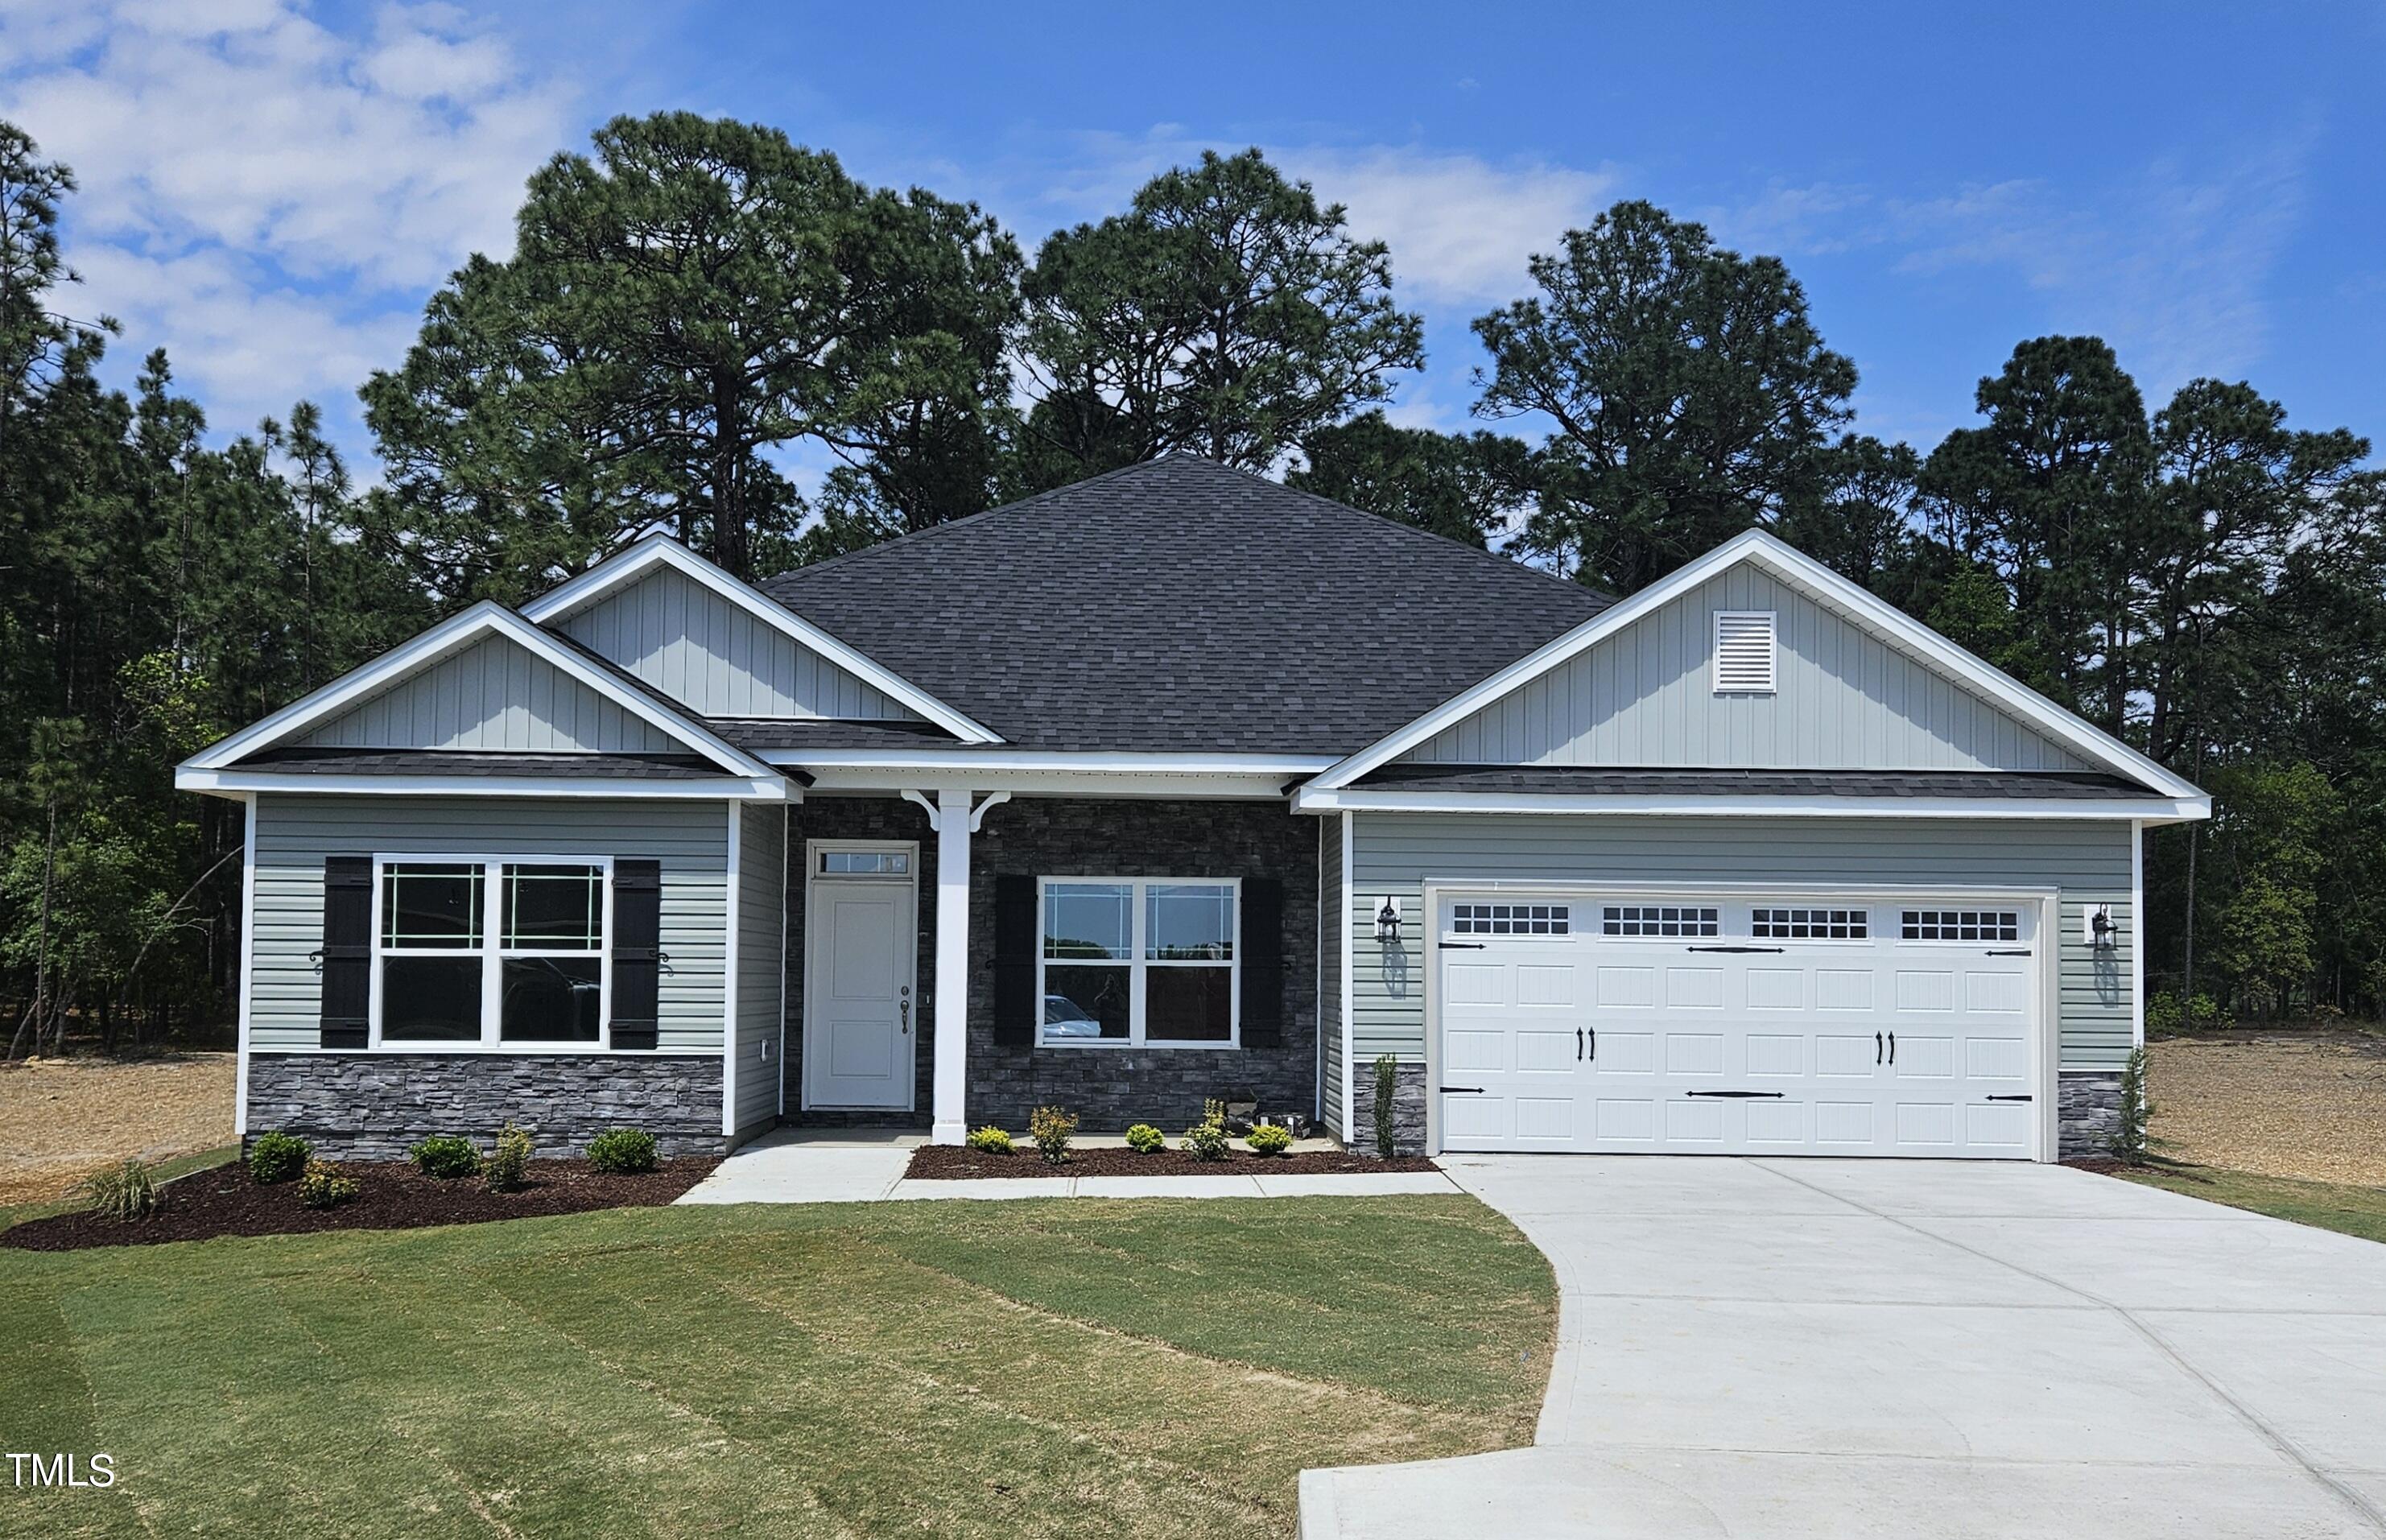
2102 935
1387 922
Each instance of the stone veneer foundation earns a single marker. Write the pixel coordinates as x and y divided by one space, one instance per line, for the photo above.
371 1107
2088 1110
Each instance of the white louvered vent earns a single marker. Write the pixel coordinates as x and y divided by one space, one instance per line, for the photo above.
1743 652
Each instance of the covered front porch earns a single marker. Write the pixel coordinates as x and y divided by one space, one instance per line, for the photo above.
959 955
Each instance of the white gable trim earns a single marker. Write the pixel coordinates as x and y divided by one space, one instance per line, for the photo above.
659 550
1799 572
450 636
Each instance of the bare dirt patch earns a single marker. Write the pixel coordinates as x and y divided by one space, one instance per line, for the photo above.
65 1118
2309 1105
393 1196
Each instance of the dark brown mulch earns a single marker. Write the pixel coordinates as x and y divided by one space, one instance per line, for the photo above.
395 1195
957 1163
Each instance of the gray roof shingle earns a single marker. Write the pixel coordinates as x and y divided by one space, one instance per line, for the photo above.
1182 605
1589 781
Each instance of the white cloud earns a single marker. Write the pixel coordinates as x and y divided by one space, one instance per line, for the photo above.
269 198
1460 227
2173 268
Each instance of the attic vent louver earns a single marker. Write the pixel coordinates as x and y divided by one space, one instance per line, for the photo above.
1743 652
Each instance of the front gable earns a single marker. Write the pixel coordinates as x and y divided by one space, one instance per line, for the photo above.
718 658
493 695
1843 697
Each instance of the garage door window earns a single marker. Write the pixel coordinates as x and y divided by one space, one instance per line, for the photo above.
1659 919
1795 924
1963 925
1511 919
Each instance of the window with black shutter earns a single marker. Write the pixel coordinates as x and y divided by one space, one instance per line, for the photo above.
347 951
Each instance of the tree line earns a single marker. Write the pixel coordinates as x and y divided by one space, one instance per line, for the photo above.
695 304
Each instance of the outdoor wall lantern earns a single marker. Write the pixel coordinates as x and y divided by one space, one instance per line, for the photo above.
2102 935
1387 922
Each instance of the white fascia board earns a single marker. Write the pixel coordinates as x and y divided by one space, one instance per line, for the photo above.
557 604
484 619
1029 759
1318 799
242 783
885 782
1799 572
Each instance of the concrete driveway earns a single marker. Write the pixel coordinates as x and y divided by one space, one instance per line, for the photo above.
1841 1349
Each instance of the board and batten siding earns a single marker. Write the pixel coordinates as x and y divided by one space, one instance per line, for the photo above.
295 833
761 935
1844 699
2086 863
494 696
719 659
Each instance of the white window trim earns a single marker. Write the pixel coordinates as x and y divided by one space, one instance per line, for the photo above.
492 953
1138 966
908 850
1724 617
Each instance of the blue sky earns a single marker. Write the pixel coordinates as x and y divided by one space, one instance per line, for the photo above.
272 190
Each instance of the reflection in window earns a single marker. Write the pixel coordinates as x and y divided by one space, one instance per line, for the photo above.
1147 960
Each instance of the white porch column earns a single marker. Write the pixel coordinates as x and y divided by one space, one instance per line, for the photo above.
953 821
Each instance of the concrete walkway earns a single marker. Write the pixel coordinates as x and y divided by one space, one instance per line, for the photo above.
1843 1349
803 1166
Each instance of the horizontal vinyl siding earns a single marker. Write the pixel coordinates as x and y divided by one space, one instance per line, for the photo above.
492 696
1329 1015
294 835
1843 700
761 931
2088 864
719 659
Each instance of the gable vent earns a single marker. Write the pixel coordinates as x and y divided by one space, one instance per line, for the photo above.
1743 652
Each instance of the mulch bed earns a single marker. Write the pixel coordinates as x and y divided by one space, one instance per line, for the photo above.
222 1201
957 1163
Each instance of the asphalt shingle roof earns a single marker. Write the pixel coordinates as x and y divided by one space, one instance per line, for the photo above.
751 733
1565 780
1181 605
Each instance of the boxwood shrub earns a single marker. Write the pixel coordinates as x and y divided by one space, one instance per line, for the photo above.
277 1156
446 1157
623 1150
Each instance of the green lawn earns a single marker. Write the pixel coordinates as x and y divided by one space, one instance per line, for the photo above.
2330 1205
1066 1367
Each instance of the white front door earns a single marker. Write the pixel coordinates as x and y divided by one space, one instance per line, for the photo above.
1779 1024
859 968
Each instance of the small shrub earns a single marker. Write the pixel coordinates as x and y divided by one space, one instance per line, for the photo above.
990 1140
623 1150
277 1158
124 1192
445 1157
508 1164
2167 1015
1144 1139
1052 1129
324 1186
1207 1140
1387 1085
2128 1141
1269 1139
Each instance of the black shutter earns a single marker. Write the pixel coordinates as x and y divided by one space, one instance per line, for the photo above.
347 951
1262 945
1015 933
637 951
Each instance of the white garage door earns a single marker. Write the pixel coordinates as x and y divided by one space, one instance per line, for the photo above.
1782 1025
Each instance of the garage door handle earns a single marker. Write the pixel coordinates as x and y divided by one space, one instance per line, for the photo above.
1732 948
1740 1095
1577 1045
1462 1090
1876 1046
2020 1098
1463 945
1892 1048
2009 952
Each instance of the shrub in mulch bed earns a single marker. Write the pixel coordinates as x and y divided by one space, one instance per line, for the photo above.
951 1162
391 1196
